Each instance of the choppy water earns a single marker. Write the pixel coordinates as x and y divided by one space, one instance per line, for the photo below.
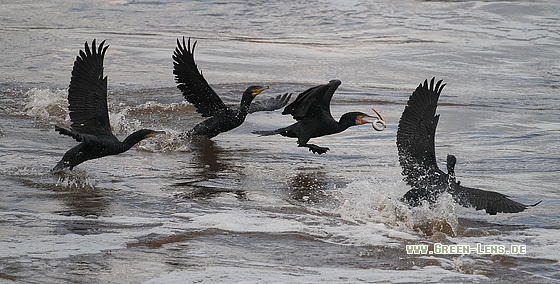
255 209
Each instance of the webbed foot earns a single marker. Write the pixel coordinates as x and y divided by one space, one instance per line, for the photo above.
315 149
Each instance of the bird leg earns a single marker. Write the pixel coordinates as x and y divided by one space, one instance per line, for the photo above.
315 149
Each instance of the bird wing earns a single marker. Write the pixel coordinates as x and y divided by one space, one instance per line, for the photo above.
327 96
314 102
492 202
415 143
191 82
416 134
270 104
87 94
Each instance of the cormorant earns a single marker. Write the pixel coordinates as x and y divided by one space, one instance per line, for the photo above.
87 99
416 147
197 91
312 111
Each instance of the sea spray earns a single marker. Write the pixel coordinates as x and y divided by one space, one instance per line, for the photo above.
371 201
46 104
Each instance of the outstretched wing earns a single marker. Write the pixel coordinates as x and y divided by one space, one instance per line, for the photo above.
492 202
416 134
416 146
270 104
313 102
87 94
191 82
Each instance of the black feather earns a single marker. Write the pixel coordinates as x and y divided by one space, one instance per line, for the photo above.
416 147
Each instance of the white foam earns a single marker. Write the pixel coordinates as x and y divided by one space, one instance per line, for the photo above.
46 104
52 105
76 179
168 142
379 202
157 106
121 124
329 229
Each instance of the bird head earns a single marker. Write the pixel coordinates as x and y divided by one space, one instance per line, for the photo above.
451 161
148 133
255 90
377 122
361 118
354 118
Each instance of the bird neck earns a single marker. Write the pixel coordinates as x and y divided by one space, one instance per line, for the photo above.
342 126
346 120
132 139
245 103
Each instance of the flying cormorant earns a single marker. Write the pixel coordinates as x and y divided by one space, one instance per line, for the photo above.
87 99
416 147
198 92
312 111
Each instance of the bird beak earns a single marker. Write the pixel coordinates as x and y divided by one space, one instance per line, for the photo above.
364 119
258 90
151 134
379 123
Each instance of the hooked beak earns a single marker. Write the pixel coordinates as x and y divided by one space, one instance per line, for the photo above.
258 90
379 123
151 134
365 119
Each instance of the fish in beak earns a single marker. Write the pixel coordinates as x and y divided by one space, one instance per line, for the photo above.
379 123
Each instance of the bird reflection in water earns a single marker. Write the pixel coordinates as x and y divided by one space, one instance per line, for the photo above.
89 204
80 195
310 185
214 172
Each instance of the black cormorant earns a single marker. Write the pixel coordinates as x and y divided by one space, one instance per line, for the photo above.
416 147
87 99
312 111
196 90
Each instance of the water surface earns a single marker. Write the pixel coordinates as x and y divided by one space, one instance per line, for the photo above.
243 208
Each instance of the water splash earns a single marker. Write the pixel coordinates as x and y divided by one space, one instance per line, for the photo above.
153 106
46 104
372 201
52 105
75 179
172 140
168 142
120 124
